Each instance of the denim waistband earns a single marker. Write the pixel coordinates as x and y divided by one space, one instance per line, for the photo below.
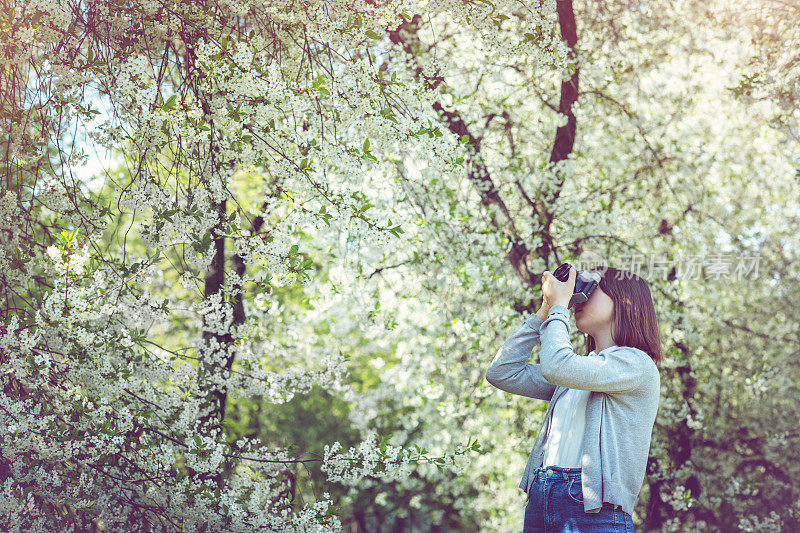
557 472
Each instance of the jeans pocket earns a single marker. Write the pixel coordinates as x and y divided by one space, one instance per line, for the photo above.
628 520
575 494
623 519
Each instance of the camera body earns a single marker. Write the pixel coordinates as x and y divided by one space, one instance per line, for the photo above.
585 283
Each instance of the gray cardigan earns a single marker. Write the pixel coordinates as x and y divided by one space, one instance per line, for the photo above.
619 415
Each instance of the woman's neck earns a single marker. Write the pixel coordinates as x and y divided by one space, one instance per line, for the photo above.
601 342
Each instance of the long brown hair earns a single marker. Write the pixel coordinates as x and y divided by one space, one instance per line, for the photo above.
635 323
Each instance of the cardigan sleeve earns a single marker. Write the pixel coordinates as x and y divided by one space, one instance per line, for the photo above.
509 371
615 369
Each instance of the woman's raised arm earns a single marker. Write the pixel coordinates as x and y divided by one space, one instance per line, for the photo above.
510 372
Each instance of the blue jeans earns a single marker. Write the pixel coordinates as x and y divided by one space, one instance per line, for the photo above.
555 505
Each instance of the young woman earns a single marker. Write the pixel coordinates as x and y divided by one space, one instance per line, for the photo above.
588 462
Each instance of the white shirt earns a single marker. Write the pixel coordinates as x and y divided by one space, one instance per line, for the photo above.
562 445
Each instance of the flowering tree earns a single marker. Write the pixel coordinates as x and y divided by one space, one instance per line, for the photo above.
133 303
285 247
671 178
772 73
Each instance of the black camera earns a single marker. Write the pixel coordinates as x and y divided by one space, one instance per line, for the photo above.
585 283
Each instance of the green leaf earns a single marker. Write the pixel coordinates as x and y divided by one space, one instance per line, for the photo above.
169 105
233 112
367 153
372 35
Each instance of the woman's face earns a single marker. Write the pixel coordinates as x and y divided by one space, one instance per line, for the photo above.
596 314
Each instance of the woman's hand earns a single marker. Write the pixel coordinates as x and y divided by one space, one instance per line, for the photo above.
557 292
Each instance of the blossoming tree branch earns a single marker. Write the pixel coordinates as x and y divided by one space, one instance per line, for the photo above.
136 300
